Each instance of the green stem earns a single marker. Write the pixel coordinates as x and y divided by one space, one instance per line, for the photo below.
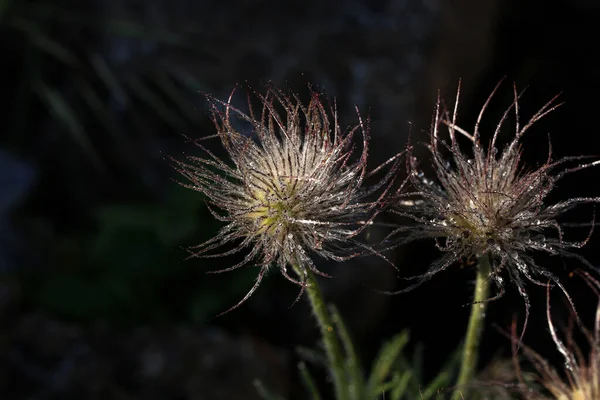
471 350
330 339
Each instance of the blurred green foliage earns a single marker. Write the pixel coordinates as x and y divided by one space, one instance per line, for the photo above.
132 267
394 374
65 68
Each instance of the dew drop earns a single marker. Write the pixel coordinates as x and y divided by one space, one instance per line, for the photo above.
568 366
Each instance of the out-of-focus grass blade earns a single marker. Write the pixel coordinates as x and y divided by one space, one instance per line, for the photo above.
312 356
388 355
150 98
189 81
436 385
309 382
415 383
42 41
400 387
140 31
417 362
4 5
22 100
264 392
165 83
396 386
352 362
98 107
60 109
124 147
115 26
92 99
108 77
445 376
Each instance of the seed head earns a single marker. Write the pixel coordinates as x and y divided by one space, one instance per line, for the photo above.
582 373
291 189
488 203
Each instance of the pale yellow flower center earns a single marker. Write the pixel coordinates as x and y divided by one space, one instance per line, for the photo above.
274 207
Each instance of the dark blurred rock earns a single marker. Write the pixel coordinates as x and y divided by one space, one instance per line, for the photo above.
43 358
16 179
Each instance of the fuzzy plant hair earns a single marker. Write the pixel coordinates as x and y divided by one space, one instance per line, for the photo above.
291 189
486 203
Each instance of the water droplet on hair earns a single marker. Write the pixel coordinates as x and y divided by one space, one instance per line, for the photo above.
568 366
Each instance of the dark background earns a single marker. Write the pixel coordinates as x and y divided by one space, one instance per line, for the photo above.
96 299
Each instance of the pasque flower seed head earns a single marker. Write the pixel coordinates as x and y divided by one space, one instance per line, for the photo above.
291 189
488 203
582 372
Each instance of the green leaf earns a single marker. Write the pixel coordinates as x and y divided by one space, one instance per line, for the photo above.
388 355
400 387
441 381
309 382
353 366
444 378
397 385
417 362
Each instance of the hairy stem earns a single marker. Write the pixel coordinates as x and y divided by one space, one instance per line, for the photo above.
330 339
471 350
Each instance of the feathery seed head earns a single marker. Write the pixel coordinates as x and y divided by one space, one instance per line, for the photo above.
582 373
488 203
291 189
